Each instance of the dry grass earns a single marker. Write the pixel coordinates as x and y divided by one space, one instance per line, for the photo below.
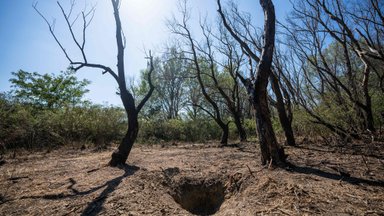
345 180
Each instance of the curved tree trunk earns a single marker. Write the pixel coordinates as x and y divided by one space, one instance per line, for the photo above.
120 155
368 102
283 117
271 152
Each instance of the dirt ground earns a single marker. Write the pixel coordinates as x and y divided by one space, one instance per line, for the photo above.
201 179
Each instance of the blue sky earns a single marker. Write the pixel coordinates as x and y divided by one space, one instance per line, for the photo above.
25 42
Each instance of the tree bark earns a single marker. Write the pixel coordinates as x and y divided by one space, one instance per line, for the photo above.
120 155
224 135
283 117
271 151
239 127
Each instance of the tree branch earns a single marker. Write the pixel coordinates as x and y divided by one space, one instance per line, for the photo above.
151 86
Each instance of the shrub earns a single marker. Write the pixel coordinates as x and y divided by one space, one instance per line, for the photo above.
178 130
25 126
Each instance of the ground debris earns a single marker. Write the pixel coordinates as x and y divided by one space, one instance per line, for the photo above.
321 181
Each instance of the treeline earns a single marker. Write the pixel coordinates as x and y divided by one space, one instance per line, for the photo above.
48 110
34 127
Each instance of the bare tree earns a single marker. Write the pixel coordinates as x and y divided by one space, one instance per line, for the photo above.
354 31
170 82
243 30
232 93
119 156
202 68
271 151
228 90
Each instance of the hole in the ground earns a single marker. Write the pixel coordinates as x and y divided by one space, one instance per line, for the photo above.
200 197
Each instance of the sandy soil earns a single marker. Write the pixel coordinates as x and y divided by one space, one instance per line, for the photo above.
196 178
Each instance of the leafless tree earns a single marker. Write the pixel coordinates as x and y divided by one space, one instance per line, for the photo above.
271 151
355 31
202 67
121 154
251 42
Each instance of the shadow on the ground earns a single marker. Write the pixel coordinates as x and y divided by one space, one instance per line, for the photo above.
368 150
94 207
246 147
324 174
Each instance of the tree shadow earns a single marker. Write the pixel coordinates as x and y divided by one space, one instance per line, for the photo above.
349 149
333 176
95 206
243 147
2 199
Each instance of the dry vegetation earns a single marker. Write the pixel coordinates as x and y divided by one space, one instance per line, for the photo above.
337 180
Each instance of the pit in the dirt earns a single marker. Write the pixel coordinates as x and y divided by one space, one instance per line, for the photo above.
199 196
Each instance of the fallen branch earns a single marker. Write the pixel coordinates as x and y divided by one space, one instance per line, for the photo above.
17 178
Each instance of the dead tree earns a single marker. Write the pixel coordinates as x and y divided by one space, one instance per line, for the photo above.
313 24
201 67
271 151
285 121
247 33
119 156
232 63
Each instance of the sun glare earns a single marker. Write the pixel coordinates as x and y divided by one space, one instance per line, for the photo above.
143 11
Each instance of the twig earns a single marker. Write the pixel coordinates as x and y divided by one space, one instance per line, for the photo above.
353 196
366 164
17 178
283 211
270 163
93 170
250 171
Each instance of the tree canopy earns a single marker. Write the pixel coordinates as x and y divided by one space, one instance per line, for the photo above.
48 90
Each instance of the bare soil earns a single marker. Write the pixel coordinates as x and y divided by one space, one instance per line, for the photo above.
200 179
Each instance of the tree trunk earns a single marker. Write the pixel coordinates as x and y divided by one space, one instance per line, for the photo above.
120 156
257 90
224 135
271 152
283 117
240 128
368 103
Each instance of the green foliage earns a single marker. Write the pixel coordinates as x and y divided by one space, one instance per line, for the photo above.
170 80
303 125
178 130
26 126
187 130
378 108
48 90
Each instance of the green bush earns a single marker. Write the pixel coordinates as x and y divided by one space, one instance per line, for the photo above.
25 126
178 130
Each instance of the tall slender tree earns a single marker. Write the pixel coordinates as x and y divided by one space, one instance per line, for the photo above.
119 156
271 151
